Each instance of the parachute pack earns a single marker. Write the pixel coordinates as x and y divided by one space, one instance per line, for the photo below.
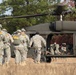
16 40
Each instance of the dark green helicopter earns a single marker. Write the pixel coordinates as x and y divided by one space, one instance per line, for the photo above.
60 29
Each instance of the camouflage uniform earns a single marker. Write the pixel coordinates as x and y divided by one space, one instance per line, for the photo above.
37 41
25 41
63 47
1 45
7 42
18 48
54 49
57 49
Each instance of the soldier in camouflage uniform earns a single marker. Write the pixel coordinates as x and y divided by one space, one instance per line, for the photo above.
19 48
7 42
25 41
63 47
38 42
2 37
54 49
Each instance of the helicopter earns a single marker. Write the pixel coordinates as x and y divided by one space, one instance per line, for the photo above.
48 30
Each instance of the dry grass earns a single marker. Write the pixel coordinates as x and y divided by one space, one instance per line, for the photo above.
60 66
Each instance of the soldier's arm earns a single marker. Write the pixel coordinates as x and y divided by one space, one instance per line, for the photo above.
43 41
31 42
3 36
11 38
27 38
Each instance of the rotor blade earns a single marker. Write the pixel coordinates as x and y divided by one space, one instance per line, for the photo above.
24 16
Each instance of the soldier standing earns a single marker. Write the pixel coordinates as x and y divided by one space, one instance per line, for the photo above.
25 41
19 48
2 37
7 43
38 42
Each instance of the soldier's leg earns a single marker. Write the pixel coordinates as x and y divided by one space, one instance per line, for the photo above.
8 55
35 55
38 55
57 49
52 51
17 56
22 52
26 51
1 56
1 59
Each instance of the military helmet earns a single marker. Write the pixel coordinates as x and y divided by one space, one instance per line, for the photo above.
55 43
23 30
4 30
18 31
15 32
64 43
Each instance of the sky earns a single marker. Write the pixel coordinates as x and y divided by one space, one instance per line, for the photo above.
9 12
0 1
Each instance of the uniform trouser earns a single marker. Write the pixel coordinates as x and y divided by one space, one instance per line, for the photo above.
38 54
1 55
52 51
26 51
1 52
57 49
19 53
7 54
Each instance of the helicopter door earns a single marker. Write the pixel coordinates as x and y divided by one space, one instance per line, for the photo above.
48 41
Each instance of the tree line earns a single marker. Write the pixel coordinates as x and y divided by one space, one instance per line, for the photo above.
28 7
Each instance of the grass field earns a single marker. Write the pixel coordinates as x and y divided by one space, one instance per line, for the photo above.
58 66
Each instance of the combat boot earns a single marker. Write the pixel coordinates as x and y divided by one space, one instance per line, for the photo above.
0 64
6 63
38 62
23 63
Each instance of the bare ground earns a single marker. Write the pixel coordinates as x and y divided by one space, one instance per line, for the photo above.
58 66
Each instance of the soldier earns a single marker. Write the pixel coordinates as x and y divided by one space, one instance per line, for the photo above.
52 47
25 41
63 47
38 42
7 43
55 49
1 45
19 48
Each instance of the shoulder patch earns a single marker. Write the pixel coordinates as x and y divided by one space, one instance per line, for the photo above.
0 32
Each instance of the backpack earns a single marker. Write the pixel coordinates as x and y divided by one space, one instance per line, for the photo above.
16 40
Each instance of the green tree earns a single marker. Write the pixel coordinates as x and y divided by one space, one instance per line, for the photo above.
27 7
